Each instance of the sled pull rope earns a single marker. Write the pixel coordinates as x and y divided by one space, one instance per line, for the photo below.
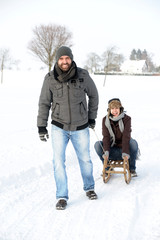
98 140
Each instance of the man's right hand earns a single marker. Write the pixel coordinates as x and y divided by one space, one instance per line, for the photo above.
43 133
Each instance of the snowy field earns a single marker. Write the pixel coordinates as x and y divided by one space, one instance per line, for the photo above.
27 188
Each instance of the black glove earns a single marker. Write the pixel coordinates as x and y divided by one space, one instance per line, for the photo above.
91 123
43 133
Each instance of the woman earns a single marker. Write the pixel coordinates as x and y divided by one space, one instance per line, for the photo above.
117 142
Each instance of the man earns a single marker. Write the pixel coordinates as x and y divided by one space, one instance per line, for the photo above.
64 91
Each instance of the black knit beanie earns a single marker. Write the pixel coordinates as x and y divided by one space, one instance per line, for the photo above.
64 51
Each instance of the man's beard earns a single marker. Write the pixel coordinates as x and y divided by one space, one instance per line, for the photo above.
65 67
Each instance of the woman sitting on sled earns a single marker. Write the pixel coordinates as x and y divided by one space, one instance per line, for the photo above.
117 142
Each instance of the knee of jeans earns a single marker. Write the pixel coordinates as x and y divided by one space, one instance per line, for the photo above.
97 146
133 145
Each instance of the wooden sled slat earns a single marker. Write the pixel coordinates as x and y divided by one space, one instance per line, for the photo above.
111 165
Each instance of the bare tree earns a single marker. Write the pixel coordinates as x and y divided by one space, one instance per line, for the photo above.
93 62
119 59
47 39
4 60
111 60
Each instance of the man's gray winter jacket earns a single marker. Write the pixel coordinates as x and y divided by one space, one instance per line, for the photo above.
68 101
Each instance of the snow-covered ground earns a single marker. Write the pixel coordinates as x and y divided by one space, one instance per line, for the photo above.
27 188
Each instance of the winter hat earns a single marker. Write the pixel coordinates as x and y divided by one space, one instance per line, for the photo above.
64 51
114 103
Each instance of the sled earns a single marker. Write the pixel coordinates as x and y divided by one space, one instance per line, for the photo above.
112 165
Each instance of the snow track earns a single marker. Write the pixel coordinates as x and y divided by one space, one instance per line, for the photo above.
28 210
24 202
27 189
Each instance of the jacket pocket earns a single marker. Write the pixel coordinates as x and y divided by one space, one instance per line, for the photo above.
78 90
56 111
58 90
83 110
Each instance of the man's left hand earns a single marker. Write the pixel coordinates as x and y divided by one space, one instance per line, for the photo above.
91 123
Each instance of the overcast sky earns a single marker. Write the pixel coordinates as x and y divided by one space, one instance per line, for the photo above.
95 25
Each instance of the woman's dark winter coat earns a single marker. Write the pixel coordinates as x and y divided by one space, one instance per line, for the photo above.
121 139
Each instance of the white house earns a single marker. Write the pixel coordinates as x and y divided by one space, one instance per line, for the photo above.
134 66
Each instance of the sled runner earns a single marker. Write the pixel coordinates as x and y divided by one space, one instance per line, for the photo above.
109 168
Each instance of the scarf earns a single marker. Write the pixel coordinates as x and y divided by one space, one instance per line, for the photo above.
65 76
120 123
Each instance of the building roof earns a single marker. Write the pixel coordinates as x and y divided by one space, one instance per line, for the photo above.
134 66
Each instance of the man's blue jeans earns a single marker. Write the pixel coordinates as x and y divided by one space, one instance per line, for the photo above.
115 153
81 143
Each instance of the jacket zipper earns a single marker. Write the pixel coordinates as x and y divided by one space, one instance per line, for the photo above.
69 103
